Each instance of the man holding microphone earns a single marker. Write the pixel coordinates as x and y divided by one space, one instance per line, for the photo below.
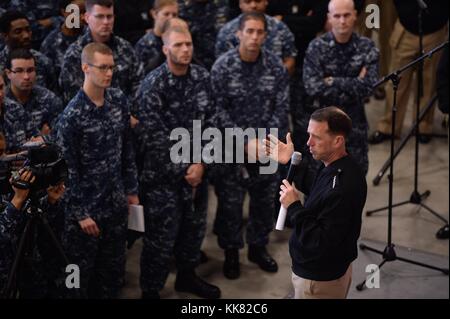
327 226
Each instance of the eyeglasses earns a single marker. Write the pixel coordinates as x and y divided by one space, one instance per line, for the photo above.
22 71
104 68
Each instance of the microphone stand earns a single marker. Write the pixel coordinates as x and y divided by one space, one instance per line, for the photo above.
389 253
416 197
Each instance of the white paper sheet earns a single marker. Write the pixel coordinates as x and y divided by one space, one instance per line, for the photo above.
136 218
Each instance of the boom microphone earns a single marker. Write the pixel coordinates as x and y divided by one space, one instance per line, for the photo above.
295 161
32 145
14 157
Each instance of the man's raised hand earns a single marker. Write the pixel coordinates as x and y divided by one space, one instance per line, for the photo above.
277 150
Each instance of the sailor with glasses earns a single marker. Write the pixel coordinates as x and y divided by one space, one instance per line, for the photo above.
94 134
41 105
100 19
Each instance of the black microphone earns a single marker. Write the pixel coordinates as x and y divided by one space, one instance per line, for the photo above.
295 161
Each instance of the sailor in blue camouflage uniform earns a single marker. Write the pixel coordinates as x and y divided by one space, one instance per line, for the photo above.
14 121
41 105
340 69
15 28
149 47
172 97
205 19
43 16
252 91
95 136
100 20
58 41
280 40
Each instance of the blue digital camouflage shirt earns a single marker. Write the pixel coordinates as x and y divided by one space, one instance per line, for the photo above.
96 144
43 107
344 63
165 102
55 46
15 125
251 95
149 49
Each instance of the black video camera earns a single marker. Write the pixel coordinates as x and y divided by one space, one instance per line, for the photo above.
44 162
